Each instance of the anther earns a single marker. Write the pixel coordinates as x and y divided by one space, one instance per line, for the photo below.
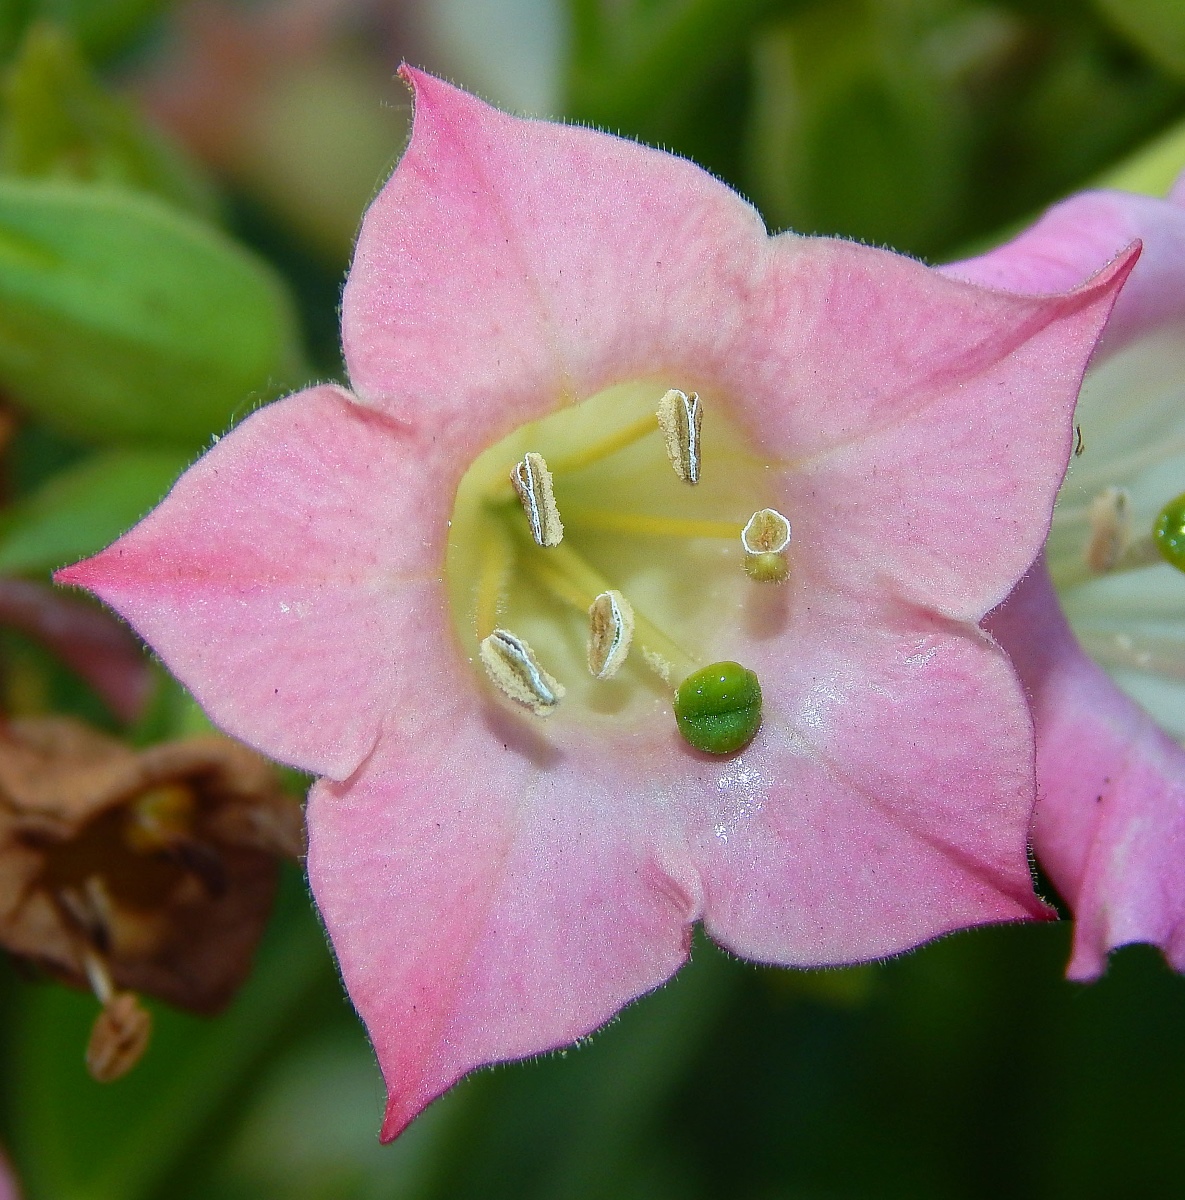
680 416
122 1029
1110 529
610 632
532 482
765 538
513 667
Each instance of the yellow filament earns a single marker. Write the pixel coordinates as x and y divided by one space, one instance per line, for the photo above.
497 560
626 436
643 525
570 578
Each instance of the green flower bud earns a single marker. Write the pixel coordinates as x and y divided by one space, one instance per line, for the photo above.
123 320
718 708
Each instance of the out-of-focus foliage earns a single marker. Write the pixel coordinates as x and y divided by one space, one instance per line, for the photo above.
921 124
78 511
57 123
102 26
121 319
1157 27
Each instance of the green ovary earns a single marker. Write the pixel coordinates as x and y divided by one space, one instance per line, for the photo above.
718 708
1169 533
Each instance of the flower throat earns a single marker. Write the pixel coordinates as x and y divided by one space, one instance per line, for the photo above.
596 554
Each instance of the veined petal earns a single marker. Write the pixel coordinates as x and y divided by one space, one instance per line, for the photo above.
277 579
488 288
1110 820
515 897
845 833
914 460
1074 239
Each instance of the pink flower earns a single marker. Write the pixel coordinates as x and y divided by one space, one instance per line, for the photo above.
1110 819
496 884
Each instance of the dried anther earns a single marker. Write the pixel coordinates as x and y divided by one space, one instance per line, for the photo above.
118 1038
1110 529
765 538
513 667
610 632
532 482
680 416
107 859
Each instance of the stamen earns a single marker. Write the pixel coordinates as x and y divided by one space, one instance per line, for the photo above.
1110 529
680 416
627 435
513 667
645 525
610 632
532 482
118 1038
568 577
765 538
497 561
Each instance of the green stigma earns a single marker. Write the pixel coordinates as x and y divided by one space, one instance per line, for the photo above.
718 708
1169 533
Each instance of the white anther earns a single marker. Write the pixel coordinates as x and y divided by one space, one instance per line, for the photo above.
513 667
659 665
532 482
765 538
610 632
680 416
1110 529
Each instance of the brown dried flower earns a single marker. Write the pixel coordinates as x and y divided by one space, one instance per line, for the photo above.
145 871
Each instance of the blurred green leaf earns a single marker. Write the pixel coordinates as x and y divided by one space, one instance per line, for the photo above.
121 320
103 27
1157 27
56 122
85 507
631 61
1152 169
853 129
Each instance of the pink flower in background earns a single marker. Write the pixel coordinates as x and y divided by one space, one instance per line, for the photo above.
1110 818
496 884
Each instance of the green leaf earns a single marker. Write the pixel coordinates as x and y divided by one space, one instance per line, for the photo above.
122 320
84 508
59 123
1157 27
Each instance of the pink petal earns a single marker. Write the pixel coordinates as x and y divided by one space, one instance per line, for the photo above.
277 577
495 889
511 266
509 901
1074 239
901 403
1110 821
844 832
85 638
489 288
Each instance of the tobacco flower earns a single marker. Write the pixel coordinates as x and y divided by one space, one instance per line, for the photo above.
348 582
1110 820
149 871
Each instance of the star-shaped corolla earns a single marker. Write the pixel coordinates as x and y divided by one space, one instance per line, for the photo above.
1110 819
336 577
